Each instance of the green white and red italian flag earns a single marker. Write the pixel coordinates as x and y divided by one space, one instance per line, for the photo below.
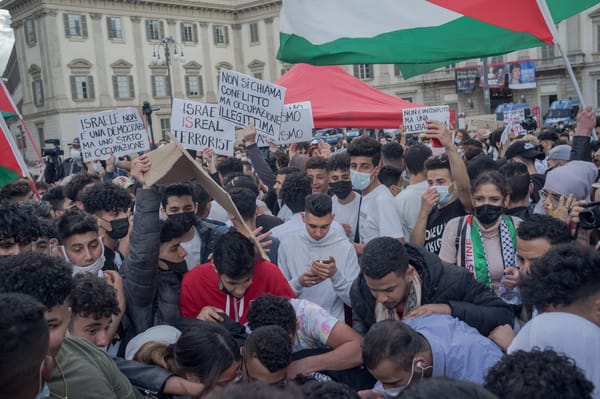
12 164
418 35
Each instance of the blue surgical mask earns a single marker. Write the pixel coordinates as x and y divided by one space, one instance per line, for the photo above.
360 180
445 195
458 142
44 393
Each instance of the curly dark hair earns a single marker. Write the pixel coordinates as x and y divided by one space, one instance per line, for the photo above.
328 390
415 158
107 197
537 375
76 185
366 147
446 388
339 161
34 208
46 278
316 162
74 222
384 255
92 296
294 190
15 189
544 226
170 229
271 345
565 275
268 310
179 189
14 224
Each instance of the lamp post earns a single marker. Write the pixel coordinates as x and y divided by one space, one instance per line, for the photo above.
172 51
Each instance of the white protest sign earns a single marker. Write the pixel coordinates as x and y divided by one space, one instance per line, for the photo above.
244 99
196 126
117 131
513 120
296 125
413 119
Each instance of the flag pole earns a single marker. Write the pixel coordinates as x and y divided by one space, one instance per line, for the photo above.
552 27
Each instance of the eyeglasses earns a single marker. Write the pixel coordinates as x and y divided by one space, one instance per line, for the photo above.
545 194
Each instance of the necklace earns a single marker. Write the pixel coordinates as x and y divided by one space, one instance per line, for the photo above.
62 374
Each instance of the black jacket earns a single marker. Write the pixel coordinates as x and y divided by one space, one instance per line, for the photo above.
470 300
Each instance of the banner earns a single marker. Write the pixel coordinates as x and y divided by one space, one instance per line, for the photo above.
466 78
118 132
496 76
244 99
296 125
413 119
197 126
521 75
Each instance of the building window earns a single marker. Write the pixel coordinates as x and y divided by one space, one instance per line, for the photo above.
75 25
597 93
409 99
363 71
254 32
548 54
160 86
165 127
82 87
37 88
496 59
30 36
115 30
397 71
154 30
257 75
193 86
221 33
189 33
123 86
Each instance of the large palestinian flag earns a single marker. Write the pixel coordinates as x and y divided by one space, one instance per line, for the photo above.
12 165
419 35
8 108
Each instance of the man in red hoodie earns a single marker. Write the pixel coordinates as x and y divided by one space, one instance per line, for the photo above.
231 282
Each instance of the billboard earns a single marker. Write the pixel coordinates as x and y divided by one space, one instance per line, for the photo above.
466 78
521 75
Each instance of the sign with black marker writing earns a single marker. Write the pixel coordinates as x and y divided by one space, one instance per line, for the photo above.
197 126
414 119
117 131
296 125
244 99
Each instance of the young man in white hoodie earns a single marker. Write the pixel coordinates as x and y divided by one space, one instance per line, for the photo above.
319 262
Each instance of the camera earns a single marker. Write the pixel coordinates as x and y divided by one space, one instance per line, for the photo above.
590 218
53 151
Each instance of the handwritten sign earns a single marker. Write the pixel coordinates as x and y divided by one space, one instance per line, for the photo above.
513 120
244 99
196 126
414 119
118 132
296 125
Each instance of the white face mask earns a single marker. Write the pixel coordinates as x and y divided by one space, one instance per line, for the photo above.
75 154
94 268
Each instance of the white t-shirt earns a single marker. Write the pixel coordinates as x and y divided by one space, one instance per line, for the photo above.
193 248
347 213
217 212
284 213
379 216
408 203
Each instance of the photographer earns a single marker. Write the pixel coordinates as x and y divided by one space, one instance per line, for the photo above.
74 164
53 171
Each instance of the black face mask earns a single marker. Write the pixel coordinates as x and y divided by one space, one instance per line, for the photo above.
488 214
119 228
179 268
187 219
341 189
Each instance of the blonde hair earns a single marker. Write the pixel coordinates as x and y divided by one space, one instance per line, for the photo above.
155 353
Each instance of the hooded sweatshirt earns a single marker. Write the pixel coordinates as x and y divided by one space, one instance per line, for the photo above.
298 250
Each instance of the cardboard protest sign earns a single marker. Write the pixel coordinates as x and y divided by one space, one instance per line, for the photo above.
513 120
296 125
413 119
118 132
244 99
172 163
197 127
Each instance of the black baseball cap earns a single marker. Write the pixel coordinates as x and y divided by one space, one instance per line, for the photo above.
75 142
523 149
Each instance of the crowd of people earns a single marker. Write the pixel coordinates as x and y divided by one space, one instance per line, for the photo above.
383 271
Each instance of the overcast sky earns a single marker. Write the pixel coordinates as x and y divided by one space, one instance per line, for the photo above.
6 39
